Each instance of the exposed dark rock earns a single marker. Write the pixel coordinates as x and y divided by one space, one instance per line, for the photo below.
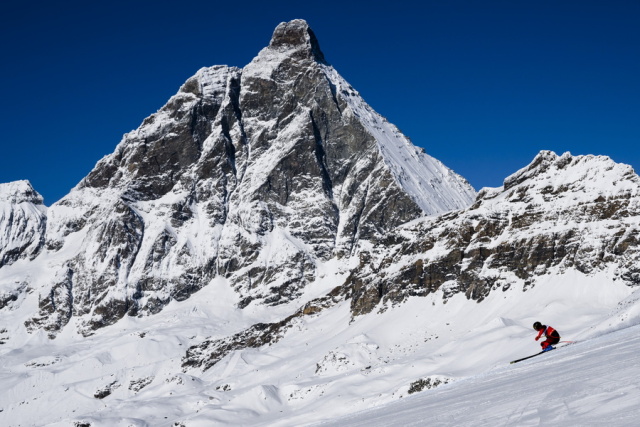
56 307
7 298
139 384
297 33
106 391
426 383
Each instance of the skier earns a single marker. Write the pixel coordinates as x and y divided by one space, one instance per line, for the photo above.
552 336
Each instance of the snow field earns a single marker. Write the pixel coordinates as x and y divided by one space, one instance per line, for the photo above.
328 365
590 383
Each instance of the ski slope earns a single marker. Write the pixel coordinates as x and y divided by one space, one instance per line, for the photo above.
590 383
328 368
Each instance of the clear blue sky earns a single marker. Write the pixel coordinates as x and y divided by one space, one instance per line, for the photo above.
482 85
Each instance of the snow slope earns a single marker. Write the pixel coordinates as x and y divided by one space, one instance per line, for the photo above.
328 365
590 383
432 185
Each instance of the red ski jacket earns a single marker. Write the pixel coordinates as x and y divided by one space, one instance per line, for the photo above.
548 332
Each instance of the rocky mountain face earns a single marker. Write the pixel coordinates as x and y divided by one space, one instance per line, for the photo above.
257 175
559 213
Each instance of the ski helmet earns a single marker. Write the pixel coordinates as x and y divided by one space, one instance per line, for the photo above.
537 326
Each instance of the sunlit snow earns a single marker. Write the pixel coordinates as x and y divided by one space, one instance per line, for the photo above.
329 366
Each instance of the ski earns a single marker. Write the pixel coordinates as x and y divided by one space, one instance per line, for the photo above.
566 343
529 357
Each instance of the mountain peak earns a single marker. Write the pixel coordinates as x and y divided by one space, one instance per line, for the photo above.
573 179
19 192
254 175
540 164
297 35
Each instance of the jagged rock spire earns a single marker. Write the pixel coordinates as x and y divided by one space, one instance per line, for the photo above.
298 35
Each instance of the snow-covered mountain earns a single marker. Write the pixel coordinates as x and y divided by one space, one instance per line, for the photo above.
256 175
266 249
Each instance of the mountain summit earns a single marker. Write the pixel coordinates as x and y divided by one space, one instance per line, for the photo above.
256 175
297 35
